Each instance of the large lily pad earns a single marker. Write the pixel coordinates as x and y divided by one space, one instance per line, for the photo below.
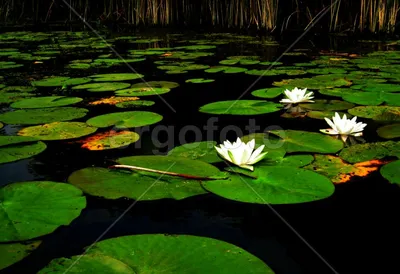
58 131
273 185
268 92
15 252
46 102
33 209
373 98
241 107
160 253
42 116
112 77
14 148
103 86
110 140
126 119
156 84
389 131
114 184
377 113
391 172
328 105
316 82
304 141
60 81
370 151
203 151
145 91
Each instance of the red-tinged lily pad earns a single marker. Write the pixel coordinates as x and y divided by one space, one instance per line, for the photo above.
109 140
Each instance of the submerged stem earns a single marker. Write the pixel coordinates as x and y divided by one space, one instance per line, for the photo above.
186 176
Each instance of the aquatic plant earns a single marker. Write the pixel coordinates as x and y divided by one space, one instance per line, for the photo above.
344 127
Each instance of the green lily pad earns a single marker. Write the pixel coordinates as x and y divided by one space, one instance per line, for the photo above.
273 185
13 149
203 151
337 92
9 65
42 116
1 125
33 209
15 252
241 107
85 263
144 91
391 172
382 87
60 81
156 84
160 253
112 77
268 92
110 140
328 105
23 89
316 82
304 141
199 81
389 131
314 114
373 98
127 119
114 184
370 151
46 102
326 70
103 86
225 69
291 160
377 113
135 104
58 131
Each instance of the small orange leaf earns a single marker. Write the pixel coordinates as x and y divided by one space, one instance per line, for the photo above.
96 142
113 100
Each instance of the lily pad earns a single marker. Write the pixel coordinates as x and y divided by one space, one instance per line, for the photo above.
156 84
60 81
58 131
46 102
316 82
315 114
340 172
304 141
373 98
273 185
389 131
241 107
370 151
291 160
144 91
225 69
135 104
15 252
103 86
112 77
391 172
199 81
42 116
110 140
9 65
328 105
268 92
377 113
127 119
162 254
15 148
203 151
33 209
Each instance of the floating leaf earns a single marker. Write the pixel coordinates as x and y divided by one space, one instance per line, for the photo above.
268 92
326 70
203 151
273 185
113 100
42 116
161 253
338 92
15 252
325 114
144 91
46 102
391 172
9 65
156 84
389 131
370 151
33 209
199 80
316 82
292 160
112 77
377 113
17 151
241 107
60 81
110 140
127 119
103 86
304 141
135 104
340 172
58 131
225 69
328 105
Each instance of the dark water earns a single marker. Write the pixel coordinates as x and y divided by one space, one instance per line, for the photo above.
353 231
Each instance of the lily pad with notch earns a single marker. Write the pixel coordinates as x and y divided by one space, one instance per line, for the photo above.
46 102
15 148
126 119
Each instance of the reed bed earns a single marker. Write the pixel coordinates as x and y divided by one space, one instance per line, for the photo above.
376 16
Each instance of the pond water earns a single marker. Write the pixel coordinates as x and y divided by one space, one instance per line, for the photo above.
347 230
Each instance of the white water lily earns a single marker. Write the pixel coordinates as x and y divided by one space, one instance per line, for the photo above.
344 127
241 154
297 95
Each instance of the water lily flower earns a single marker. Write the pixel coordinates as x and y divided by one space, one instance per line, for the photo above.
297 95
344 127
241 154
